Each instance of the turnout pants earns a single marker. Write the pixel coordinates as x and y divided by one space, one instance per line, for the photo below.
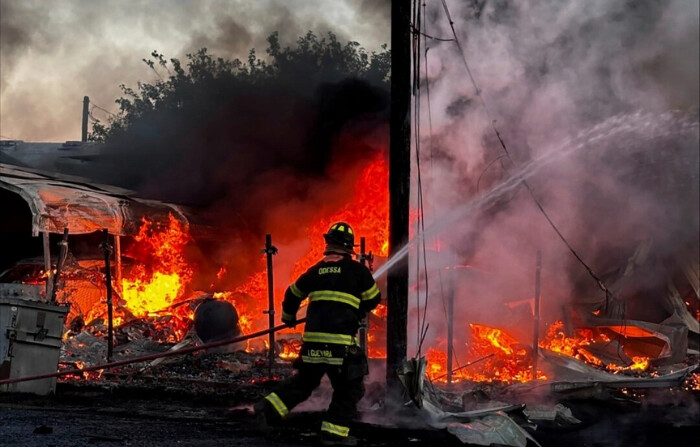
348 388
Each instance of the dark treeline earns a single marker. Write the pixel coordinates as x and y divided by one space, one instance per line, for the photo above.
217 134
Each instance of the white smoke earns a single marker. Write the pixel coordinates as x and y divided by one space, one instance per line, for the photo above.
547 71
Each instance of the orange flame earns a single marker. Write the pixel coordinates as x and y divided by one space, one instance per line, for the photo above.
289 349
501 358
367 212
159 280
556 340
380 311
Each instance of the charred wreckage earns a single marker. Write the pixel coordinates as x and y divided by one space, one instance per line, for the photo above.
109 306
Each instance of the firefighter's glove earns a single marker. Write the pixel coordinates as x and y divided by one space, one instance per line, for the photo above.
289 320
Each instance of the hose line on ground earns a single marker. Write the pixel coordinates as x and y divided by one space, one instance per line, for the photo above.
213 344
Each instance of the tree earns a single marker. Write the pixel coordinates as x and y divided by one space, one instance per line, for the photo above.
208 82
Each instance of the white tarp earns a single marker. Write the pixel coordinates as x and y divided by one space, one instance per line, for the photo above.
59 202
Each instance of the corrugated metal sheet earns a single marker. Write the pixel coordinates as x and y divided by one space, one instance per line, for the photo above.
59 202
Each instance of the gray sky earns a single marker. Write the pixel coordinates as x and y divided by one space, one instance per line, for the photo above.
52 53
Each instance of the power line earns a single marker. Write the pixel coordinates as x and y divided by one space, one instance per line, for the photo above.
425 35
430 146
477 91
104 110
422 326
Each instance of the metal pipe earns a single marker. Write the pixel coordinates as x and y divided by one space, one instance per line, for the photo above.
270 250
148 357
450 322
107 249
536 338
63 251
364 323
118 260
47 264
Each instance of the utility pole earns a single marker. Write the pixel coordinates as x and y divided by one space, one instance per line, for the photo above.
399 189
86 106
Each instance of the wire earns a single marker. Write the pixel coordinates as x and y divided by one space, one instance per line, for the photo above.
104 110
477 91
415 30
430 147
416 139
486 169
422 326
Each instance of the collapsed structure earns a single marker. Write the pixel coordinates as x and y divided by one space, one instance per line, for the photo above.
588 355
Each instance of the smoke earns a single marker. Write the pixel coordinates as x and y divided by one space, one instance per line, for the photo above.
51 57
549 71
288 145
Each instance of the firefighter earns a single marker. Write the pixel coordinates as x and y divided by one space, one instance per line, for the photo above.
340 291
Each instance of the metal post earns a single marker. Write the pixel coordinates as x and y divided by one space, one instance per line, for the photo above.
450 321
535 347
47 264
364 324
86 112
118 260
399 191
62 252
270 250
107 249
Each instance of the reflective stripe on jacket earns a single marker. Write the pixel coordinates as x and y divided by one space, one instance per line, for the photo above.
340 291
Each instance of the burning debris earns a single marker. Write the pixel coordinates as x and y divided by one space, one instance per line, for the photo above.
158 311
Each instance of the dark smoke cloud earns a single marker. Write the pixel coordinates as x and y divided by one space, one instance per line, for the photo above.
234 38
51 57
260 152
235 161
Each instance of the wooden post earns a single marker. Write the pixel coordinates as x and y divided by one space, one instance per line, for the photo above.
86 112
399 188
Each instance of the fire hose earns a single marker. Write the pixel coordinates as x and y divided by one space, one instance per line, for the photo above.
143 358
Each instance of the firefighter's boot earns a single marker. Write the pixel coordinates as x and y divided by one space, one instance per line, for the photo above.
262 416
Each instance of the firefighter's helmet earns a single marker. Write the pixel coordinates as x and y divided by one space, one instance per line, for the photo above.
340 233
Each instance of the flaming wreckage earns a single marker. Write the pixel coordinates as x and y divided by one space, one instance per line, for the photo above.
110 305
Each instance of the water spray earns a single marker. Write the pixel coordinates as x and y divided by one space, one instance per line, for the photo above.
641 125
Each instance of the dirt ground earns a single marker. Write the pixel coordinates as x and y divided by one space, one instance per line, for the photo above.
162 416
206 400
